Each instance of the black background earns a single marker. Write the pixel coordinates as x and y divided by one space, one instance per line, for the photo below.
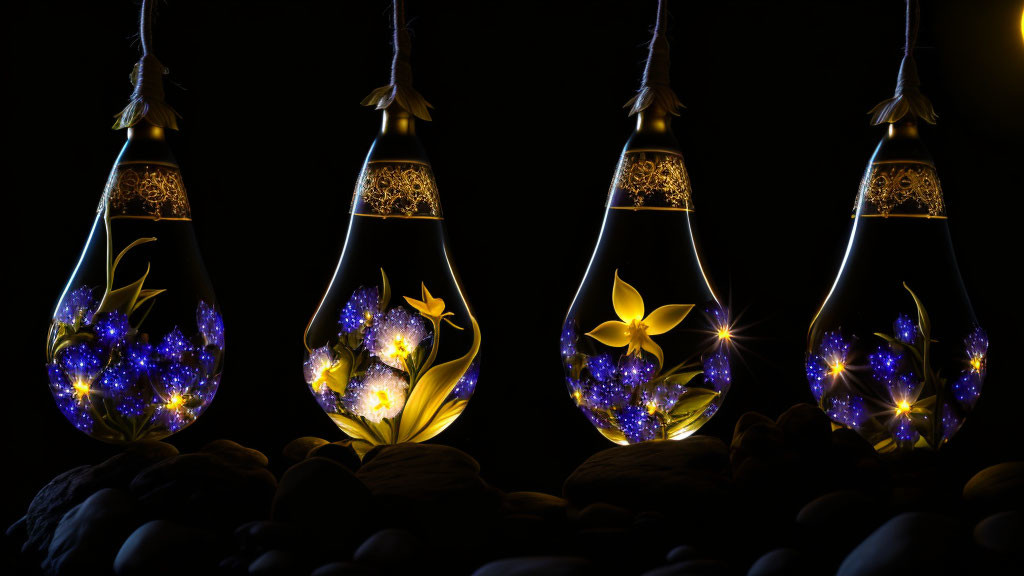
526 133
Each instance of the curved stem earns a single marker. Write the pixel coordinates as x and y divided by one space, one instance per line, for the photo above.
146 27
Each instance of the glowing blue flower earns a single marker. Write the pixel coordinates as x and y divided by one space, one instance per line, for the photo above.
211 325
598 419
205 389
467 384
131 405
118 378
140 356
717 372
905 329
362 308
395 336
327 399
81 364
885 364
976 343
174 345
72 404
661 396
951 422
601 367
76 302
175 378
605 394
848 410
817 371
903 430
634 370
829 362
112 328
967 388
636 424
568 340
904 388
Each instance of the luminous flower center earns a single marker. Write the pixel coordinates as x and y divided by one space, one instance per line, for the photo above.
724 334
81 389
902 407
976 363
398 348
578 395
175 402
837 368
652 407
367 315
384 400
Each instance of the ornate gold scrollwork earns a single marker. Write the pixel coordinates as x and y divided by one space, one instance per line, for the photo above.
651 180
146 190
902 190
402 189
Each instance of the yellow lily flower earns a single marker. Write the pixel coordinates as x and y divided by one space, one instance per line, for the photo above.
430 307
633 329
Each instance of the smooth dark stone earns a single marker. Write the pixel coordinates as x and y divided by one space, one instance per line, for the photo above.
235 454
434 490
162 548
536 503
529 534
600 515
684 552
390 548
699 567
1002 533
782 562
323 499
223 485
758 438
537 566
689 474
341 452
997 488
73 486
746 421
298 449
274 563
344 569
90 534
837 521
911 543
262 535
806 430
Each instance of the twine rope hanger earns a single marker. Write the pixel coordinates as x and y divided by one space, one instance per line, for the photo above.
400 90
908 101
147 100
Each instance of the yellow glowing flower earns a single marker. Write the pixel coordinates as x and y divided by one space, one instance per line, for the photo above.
430 307
633 329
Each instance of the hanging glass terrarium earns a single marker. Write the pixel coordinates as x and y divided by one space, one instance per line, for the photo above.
895 351
645 345
392 348
136 343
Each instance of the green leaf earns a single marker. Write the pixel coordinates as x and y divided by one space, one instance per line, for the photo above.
885 446
385 293
70 340
923 406
922 315
124 298
430 392
693 402
683 378
146 294
340 373
138 242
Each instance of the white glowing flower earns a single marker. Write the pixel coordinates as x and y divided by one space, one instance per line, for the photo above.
381 394
393 338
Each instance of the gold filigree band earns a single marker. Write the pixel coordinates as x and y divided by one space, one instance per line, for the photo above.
649 180
901 189
146 190
399 189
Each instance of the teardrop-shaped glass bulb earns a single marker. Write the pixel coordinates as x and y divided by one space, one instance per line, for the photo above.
392 348
895 351
136 344
645 344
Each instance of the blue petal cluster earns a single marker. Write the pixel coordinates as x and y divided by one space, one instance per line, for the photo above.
568 340
834 348
78 301
716 371
467 384
636 424
211 325
112 328
362 308
905 329
885 364
847 409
